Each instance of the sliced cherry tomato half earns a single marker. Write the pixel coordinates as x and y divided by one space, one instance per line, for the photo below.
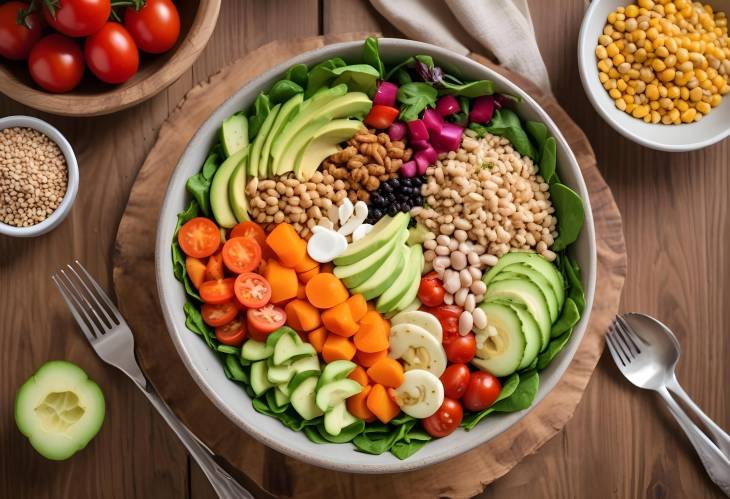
254 231
431 291
481 392
264 321
241 254
199 237
252 290
455 380
461 349
444 421
381 117
233 333
216 292
448 316
216 315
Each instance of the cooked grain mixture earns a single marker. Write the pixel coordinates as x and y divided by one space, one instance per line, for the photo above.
33 176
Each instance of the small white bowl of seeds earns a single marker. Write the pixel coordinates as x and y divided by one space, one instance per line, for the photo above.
39 176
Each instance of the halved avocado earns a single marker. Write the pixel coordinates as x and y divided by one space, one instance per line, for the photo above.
325 142
502 354
522 271
59 409
527 293
537 262
219 201
384 230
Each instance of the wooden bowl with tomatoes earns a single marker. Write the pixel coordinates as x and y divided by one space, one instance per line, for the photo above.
85 58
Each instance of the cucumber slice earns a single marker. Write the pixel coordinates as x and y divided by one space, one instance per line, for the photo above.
256 350
501 355
289 348
333 393
59 409
284 373
259 381
338 418
303 395
280 399
274 337
334 371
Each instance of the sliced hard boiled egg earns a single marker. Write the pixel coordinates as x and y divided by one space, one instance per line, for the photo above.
427 321
325 244
417 348
355 220
345 211
421 393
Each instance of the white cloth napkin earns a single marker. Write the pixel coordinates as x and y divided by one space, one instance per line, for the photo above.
502 26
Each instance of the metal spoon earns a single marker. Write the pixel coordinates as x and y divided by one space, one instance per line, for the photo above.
647 352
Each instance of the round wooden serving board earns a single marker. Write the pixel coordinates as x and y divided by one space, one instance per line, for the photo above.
268 473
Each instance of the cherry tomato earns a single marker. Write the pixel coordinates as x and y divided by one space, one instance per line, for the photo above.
220 314
448 316
444 421
16 40
214 267
252 290
78 17
232 333
56 63
252 230
216 292
381 117
461 349
112 54
155 27
431 290
264 321
199 237
481 392
455 379
241 254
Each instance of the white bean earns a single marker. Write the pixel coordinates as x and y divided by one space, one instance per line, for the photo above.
480 318
443 240
465 278
478 287
442 250
489 260
460 296
449 299
466 322
458 260
465 247
460 235
441 263
429 244
473 258
469 304
451 283
453 245
476 274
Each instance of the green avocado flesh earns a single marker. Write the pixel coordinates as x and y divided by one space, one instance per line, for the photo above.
59 409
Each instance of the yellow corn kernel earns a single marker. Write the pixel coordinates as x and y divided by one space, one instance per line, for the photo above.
618 59
646 4
662 52
658 65
612 17
667 74
706 85
715 100
640 111
620 25
652 33
629 99
630 107
674 114
688 116
654 105
681 105
615 93
719 81
684 93
673 92
621 85
613 73
666 103
682 55
605 65
621 104
612 49
652 92
655 117
603 77
632 11
695 95
701 75
703 107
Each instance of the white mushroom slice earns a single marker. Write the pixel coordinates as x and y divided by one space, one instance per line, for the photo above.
356 220
325 244
417 349
345 211
420 395
427 321
361 231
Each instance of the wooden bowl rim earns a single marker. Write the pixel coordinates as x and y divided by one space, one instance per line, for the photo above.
190 48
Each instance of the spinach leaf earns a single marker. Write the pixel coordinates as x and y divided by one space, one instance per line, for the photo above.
555 346
575 287
357 77
186 215
377 443
569 317
415 97
234 367
508 387
549 161
569 211
469 89
404 450
283 90
199 184
402 419
462 117
313 435
178 257
271 401
299 74
261 109
321 74
292 420
347 433
229 349
538 131
371 55
517 394
506 123
409 63
403 77
194 322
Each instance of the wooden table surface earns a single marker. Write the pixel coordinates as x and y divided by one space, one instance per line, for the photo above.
621 442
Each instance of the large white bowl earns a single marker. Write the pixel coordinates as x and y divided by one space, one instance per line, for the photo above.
204 365
674 138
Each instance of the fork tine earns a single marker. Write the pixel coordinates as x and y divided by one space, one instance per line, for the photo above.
621 341
83 301
71 303
101 293
99 307
630 333
617 358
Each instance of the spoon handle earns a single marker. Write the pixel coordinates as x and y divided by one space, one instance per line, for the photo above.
721 438
715 463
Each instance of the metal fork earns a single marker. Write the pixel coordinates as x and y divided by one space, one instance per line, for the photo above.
111 338
648 360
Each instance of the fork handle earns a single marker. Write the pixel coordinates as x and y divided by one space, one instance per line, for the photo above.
714 461
223 484
721 438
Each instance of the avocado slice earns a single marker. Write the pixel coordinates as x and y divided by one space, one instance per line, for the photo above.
503 357
385 275
533 339
384 230
535 261
219 201
357 273
412 292
286 113
529 294
323 144
237 192
234 133
353 104
522 271
403 290
254 167
288 158
59 409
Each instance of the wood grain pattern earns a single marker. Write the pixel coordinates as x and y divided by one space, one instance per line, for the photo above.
620 443
92 97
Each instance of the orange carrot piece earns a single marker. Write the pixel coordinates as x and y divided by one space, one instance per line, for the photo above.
283 281
339 320
306 315
360 376
358 407
195 269
326 291
374 333
306 264
306 276
292 320
288 246
337 348
366 359
386 371
358 306
317 338
301 291
381 405
214 267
